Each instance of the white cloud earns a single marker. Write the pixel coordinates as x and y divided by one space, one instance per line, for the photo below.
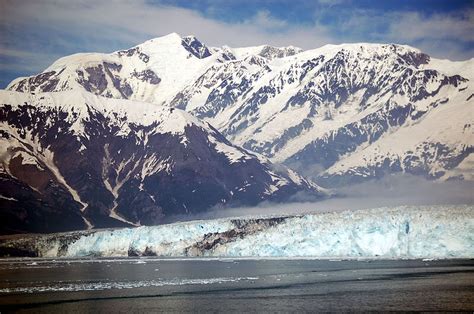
88 25
449 35
137 20
16 53
264 20
331 2
413 26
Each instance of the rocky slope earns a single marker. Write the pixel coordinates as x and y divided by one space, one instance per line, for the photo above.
74 160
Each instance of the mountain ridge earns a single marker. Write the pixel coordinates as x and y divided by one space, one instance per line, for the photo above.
308 109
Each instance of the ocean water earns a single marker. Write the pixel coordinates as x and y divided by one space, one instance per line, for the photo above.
233 285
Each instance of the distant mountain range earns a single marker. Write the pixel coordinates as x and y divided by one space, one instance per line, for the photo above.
172 126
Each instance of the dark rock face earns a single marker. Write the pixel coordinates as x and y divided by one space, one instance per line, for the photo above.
141 175
195 47
270 52
416 59
135 51
243 228
96 80
50 208
148 76
46 81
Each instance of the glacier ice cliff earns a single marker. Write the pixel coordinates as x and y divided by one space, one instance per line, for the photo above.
398 232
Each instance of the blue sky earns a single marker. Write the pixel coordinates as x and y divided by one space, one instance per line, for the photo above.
34 33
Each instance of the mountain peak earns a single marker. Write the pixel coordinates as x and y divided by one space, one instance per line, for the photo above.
189 42
172 38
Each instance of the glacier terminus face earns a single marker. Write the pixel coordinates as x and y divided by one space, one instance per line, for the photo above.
400 232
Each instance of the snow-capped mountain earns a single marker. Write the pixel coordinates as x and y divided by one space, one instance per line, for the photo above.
340 112
71 160
154 71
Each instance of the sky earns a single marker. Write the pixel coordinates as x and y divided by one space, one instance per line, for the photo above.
34 33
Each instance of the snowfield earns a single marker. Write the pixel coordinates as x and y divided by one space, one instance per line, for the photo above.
404 232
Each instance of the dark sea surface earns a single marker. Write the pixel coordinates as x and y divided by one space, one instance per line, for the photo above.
134 285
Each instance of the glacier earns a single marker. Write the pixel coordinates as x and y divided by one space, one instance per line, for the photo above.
404 232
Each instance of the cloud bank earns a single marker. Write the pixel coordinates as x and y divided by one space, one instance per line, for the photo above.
34 33
394 190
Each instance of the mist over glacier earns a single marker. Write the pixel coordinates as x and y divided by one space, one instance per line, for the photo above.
389 191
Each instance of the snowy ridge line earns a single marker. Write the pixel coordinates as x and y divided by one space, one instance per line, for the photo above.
405 232
165 119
